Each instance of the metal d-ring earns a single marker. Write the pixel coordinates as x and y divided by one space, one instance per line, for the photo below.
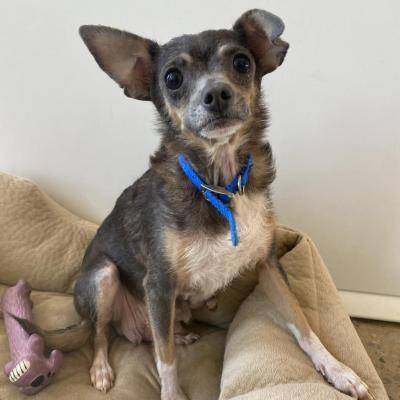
239 185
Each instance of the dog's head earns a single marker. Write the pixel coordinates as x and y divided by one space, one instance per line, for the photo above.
205 85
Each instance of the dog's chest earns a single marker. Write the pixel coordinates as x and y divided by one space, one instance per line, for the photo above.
206 264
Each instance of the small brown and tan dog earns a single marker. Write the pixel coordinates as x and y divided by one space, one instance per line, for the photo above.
202 213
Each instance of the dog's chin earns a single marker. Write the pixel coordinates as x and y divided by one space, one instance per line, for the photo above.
221 130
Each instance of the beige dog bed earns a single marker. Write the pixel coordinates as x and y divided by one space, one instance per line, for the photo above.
243 353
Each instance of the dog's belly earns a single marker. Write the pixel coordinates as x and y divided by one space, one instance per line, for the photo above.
206 264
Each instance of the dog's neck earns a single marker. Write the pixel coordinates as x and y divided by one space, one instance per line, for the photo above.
223 162
216 162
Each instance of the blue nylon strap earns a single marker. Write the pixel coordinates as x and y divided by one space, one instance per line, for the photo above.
220 203
244 173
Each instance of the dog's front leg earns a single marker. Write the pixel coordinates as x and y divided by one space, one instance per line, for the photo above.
160 297
339 375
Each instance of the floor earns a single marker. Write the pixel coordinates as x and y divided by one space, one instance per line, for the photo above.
382 341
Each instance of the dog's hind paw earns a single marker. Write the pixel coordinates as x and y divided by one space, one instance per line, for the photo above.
212 304
186 338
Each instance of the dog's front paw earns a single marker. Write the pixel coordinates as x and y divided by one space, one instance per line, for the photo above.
345 379
169 394
102 375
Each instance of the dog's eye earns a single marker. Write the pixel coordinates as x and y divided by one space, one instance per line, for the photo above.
173 79
241 63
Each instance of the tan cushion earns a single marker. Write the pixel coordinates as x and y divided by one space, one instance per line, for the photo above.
43 243
40 241
136 377
263 361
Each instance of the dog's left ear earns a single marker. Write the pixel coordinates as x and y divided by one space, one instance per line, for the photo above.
261 32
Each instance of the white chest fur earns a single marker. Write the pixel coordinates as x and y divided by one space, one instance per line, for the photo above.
207 264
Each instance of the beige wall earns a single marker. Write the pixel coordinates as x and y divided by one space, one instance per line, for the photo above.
334 126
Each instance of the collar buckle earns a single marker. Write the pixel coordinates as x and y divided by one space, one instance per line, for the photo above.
216 189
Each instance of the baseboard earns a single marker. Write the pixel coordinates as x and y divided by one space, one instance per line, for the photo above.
371 306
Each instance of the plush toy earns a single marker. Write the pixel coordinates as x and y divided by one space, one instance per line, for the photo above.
29 369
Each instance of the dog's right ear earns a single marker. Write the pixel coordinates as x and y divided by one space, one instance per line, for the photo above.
125 57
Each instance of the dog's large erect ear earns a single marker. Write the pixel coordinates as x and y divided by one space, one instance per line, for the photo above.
261 32
125 57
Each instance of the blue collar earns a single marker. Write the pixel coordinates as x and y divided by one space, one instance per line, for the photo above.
220 197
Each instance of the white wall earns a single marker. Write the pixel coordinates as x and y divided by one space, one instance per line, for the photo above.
334 106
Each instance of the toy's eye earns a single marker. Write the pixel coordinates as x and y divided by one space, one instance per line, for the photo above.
37 381
173 79
49 374
241 63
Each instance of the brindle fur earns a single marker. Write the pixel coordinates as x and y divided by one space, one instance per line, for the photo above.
164 249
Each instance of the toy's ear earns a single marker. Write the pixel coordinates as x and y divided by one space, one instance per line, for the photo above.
36 344
261 32
55 360
125 57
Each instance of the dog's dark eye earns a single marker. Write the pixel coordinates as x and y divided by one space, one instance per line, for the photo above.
173 79
241 63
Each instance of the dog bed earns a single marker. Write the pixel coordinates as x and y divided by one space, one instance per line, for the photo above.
243 353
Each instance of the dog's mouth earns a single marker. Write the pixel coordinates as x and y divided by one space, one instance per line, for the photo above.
221 127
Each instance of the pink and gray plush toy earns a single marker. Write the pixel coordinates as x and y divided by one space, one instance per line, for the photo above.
29 369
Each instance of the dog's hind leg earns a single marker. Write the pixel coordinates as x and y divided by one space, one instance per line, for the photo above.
339 375
95 294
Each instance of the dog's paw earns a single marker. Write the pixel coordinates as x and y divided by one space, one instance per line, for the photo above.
212 304
169 394
102 375
186 338
345 379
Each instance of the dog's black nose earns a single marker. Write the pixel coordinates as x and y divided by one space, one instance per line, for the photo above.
217 97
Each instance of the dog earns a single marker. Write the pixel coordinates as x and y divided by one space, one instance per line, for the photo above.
202 214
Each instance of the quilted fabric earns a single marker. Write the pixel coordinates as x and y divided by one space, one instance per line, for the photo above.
243 353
